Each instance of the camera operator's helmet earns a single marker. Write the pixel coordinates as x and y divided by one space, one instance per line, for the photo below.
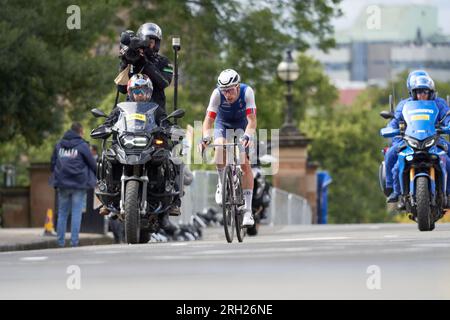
140 84
150 30
227 79
423 83
411 78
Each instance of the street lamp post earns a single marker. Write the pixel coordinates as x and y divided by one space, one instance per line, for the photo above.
288 71
295 173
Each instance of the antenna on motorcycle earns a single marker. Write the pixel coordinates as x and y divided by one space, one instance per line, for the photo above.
448 100
176 45
391 104
392 97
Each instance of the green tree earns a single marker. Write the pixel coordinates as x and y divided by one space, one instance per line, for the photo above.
56 75
348 145
46 68
248 36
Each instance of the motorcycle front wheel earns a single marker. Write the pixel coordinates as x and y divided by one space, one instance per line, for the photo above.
132 218
424 219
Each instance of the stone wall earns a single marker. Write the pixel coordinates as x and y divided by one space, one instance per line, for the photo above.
15 207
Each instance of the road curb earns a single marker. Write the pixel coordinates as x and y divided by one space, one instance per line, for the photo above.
50 243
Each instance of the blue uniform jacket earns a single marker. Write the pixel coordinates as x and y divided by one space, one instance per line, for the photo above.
398 115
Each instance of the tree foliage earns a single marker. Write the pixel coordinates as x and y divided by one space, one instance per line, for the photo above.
48 70
55 75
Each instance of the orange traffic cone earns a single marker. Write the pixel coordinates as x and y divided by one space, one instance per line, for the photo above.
49 229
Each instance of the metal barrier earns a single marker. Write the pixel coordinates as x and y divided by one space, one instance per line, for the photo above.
285 208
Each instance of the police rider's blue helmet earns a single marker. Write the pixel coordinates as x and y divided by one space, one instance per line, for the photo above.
423 83
412 76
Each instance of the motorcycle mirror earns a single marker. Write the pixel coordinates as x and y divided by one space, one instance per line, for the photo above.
386 114
98 113
179 113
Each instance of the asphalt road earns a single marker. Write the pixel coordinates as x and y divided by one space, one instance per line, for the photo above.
380 261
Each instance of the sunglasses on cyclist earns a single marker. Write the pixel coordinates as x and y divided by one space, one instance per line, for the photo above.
422 91
229 90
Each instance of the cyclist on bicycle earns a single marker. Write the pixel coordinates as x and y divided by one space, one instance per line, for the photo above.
232 110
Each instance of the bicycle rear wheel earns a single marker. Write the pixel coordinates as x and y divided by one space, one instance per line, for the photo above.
228 207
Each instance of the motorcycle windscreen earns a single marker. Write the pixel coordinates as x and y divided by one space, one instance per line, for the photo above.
136 116
420 117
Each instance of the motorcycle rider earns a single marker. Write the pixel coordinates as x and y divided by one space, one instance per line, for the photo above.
392 153
156 66
231 107
422 88
390 157
140 89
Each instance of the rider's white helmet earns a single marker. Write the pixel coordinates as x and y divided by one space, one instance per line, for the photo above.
228 78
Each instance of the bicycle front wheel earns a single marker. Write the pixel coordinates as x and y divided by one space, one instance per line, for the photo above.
228 206
239 214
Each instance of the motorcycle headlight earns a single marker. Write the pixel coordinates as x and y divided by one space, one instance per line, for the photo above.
130 141
413 143
429 143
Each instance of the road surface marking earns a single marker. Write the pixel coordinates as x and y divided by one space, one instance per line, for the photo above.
169 258
312 239
33 258
253 251
432 245
108 252
391 236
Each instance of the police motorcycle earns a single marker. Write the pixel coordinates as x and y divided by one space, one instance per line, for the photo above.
421 161
139 176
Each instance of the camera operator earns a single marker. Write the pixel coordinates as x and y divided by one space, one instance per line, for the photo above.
140 51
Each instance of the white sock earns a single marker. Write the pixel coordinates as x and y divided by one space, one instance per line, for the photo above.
248 194
220 173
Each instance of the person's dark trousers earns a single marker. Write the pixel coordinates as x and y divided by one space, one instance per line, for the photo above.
70 200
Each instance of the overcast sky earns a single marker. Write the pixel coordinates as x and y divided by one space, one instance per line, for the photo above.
352 9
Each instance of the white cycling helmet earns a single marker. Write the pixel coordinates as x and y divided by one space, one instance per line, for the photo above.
228 78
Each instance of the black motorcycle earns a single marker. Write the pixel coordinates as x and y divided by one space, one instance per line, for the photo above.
138 177
260 200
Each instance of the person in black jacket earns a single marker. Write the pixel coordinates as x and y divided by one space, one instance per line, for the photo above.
73 172
150 62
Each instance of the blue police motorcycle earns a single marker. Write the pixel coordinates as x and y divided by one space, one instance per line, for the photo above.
421 162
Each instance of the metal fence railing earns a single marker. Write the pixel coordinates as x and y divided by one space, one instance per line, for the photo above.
285 208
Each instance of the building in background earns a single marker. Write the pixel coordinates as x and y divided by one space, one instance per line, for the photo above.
407 37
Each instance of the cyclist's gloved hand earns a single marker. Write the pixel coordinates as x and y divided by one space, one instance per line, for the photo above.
203 143
245 140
